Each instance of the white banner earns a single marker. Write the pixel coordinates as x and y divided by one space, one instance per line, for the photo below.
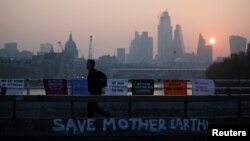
202 87
117 87
14 86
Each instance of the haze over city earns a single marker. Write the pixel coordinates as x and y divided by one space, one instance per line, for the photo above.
136 69
113 22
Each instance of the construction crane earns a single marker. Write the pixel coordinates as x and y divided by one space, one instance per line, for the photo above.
60 45
90 47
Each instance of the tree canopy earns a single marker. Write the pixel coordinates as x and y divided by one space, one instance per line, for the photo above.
237 66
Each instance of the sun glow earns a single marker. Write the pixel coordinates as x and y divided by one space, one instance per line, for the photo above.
212 41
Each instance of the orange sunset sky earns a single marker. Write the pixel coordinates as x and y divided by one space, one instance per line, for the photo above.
113 22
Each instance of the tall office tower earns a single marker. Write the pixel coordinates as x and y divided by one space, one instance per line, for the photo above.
121 55
147 47
237 44
133 49
178 44
204 52
165 53
141 49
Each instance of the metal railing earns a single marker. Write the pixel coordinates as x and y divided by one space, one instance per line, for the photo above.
129 99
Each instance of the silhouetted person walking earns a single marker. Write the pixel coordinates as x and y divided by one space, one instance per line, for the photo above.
96 80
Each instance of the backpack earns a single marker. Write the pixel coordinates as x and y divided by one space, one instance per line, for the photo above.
102 78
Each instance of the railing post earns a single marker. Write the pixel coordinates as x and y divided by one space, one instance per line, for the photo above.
185 109
129 108
28 87
239 108
28 91
14 110
71 108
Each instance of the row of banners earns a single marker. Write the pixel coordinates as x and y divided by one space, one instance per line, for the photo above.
114 87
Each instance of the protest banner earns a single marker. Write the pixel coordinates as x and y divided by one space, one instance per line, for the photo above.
117 87
143 87
55 86
12 86
79 87
175 87
202 87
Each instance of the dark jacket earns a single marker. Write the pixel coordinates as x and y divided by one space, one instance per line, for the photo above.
95 81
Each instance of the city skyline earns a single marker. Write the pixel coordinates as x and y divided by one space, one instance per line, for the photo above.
31 23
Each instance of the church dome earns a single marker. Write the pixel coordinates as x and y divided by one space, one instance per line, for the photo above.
70 47
70 44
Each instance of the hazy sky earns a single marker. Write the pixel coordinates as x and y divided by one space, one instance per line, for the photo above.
113 22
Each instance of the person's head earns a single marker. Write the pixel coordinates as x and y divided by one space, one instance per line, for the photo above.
90 64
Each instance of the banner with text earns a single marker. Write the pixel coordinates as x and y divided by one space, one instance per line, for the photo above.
12 86
117 87
129 126
55 86
142 87
202 87
79 87
175 87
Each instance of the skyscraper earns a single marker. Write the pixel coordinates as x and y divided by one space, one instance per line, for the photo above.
201 45
178 44
164 38
237 44
141 49
204 52
121 53
147 47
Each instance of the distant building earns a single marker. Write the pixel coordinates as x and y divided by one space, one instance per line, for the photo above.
67 68
164 38
121 54
169 48
248 48
204 52
141 49
106 60
187 58
48 57
178 44
237 44
11 50
128 58
2 53
45 48
25 55
71 48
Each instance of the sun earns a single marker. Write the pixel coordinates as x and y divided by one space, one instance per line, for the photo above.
211 41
